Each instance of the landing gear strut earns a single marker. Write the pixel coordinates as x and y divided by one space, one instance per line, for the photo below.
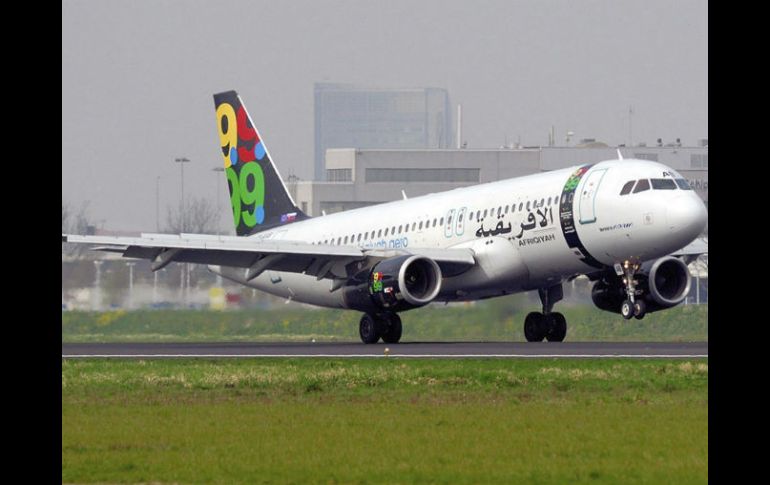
386 325
549 325
631 307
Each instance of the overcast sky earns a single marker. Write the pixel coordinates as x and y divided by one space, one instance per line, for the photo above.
138 79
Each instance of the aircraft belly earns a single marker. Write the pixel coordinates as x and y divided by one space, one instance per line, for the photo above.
296 286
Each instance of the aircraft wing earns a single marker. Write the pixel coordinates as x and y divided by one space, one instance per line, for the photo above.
320 260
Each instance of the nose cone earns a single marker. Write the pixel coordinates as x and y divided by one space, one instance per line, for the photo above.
686 217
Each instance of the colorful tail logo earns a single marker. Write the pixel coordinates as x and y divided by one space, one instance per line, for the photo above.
241 148
259 197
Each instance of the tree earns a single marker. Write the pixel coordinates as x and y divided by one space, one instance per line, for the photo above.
200 217
75 223
65 216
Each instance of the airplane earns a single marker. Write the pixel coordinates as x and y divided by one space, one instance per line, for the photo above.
625 223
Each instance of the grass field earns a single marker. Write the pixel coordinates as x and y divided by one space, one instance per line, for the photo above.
385 420
497 319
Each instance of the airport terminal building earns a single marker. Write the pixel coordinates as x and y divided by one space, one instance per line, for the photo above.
361 177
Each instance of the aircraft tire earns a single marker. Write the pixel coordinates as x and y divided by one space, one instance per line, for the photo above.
535 327
627 309
640 309
557 328
391 328
368 329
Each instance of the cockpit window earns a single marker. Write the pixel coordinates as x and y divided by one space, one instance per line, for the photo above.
627 188
682 183
663 184
642 185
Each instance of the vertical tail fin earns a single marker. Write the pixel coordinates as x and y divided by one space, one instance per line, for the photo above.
258 196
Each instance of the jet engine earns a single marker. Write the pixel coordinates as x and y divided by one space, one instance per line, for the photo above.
662 284
395 284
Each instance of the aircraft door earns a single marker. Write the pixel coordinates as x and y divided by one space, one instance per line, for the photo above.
448 226
587 205
460 229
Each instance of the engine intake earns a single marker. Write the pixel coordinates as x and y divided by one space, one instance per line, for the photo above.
669 281
396 284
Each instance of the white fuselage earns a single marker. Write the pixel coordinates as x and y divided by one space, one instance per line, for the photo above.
526 233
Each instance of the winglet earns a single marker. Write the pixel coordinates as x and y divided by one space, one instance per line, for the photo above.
620 155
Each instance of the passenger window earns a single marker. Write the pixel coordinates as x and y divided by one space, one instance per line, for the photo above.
542 202
414 226
683 184
400 228
527 205
434 222
420 226
506 209
359 237
485 213
393 230
549 201
663 184
346 240
499 211
478 215
441 221
386 231
339 241
379 233
627 188
642 185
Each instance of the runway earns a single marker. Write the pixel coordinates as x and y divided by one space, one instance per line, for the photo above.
408 349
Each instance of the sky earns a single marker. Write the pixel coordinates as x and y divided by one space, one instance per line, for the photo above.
138 79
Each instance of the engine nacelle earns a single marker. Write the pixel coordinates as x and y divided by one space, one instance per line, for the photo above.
662 284
395 284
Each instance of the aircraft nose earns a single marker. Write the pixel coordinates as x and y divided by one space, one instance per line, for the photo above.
686 214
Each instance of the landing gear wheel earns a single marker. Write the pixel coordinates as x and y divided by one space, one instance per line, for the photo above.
627 309
391 328
535 327
368 329
640 308
557 328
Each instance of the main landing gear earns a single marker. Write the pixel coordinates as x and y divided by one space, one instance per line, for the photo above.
631 307
549 325
380 325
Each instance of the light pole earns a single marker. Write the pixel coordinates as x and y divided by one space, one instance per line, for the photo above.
155 288
130 285
219 177
181 161
98 286
157 203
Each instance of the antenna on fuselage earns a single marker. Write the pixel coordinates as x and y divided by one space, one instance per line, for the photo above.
620 155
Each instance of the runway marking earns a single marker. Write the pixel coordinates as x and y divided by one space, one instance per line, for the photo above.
411 356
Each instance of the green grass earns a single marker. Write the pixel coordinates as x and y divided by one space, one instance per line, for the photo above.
497 319
385 420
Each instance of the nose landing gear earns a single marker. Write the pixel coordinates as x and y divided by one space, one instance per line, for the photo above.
631 307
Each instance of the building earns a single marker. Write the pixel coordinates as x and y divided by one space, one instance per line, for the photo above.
360 177
347 115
